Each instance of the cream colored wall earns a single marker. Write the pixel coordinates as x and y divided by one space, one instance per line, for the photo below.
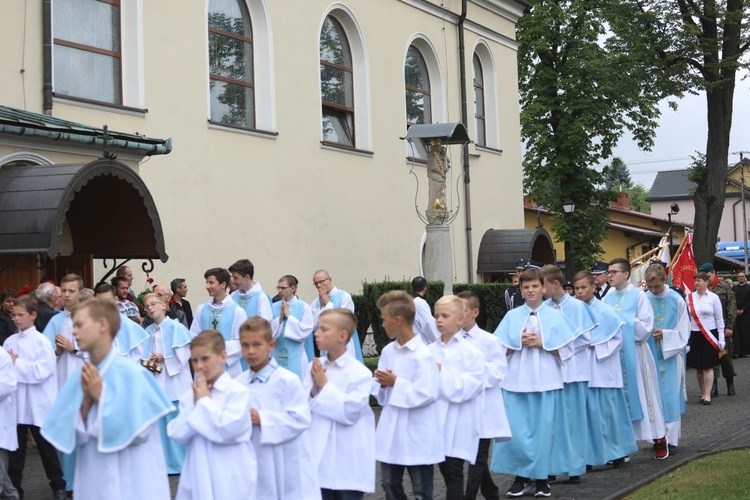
285 203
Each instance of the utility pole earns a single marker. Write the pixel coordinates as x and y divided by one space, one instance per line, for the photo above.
744 208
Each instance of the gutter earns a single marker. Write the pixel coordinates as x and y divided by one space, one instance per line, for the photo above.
163 148
47 57
465 120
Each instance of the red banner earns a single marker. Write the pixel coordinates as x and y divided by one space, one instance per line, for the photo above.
685 268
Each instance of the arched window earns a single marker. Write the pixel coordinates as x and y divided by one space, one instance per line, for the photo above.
230 55
479 118
418 96
336 84
486 123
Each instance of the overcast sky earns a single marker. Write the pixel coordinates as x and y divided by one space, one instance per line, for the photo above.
681 133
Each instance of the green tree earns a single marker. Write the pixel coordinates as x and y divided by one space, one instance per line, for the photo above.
617 176
638 194
691 46
578 97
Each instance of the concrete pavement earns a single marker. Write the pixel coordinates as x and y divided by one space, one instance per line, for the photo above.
723 425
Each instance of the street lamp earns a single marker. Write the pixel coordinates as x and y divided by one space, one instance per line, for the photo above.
674 209
569 207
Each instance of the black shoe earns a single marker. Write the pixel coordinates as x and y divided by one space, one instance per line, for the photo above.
715 389
542 489
730 388
589 468
574 480
59 494
618 463
520 487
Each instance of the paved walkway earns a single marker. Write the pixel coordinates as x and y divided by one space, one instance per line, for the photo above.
721 426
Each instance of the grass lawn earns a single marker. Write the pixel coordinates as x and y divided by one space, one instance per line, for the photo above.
724 475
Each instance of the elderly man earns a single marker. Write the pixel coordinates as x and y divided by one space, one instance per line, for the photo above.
48 296
729 309
172 310
330 297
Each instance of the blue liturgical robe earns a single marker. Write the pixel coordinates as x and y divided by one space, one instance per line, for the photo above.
288 353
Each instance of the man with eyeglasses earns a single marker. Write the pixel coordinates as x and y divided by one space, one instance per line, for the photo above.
639 375
330 297
292 328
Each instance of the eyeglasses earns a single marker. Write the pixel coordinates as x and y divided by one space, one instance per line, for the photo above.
318 283
282 288
614 271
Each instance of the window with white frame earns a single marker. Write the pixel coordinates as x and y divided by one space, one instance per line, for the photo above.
479 118
486 122
336 84
230 54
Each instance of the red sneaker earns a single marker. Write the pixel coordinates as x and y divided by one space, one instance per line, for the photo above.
662 450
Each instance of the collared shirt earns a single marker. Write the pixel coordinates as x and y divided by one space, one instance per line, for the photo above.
264 374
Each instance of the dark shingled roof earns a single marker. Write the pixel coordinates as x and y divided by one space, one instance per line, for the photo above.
671 185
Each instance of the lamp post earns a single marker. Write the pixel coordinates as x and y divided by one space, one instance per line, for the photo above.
569 207
674 209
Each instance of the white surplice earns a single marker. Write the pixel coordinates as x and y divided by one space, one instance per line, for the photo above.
35 374
175 376
67 362
424 321
8 433
409 425
343 425
234 352
461 382
138 471
493 422
220 462
281 441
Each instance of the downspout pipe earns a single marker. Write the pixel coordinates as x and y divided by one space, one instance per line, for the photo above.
47 56
465 120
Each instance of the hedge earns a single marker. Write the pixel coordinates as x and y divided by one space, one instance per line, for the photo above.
490 295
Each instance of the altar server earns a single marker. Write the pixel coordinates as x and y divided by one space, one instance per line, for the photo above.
576 371
292 328
461 367
221 313
610 433
214 423
407 386
343 424
59 330
330 297
539 339
281 416
8 431
108 412
640 378
249 294
34 362
671 335
493 422
166 353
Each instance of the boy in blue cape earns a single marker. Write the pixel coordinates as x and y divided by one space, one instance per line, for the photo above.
107 411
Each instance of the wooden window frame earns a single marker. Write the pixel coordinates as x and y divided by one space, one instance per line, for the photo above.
97 50
339 107
234 81
481 116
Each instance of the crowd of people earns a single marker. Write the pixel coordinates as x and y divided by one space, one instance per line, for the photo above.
253 396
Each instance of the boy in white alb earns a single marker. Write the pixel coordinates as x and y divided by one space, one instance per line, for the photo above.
166 353
407 386
34 362
8 431
493 423
280 416
108 411
461 367
222 314
214 423
343 425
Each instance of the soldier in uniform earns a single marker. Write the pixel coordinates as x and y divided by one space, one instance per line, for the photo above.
729 309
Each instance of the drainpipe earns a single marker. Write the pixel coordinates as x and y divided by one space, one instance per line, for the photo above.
465 119
734 218
47 56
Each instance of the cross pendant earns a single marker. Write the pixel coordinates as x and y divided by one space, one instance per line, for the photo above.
215 323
